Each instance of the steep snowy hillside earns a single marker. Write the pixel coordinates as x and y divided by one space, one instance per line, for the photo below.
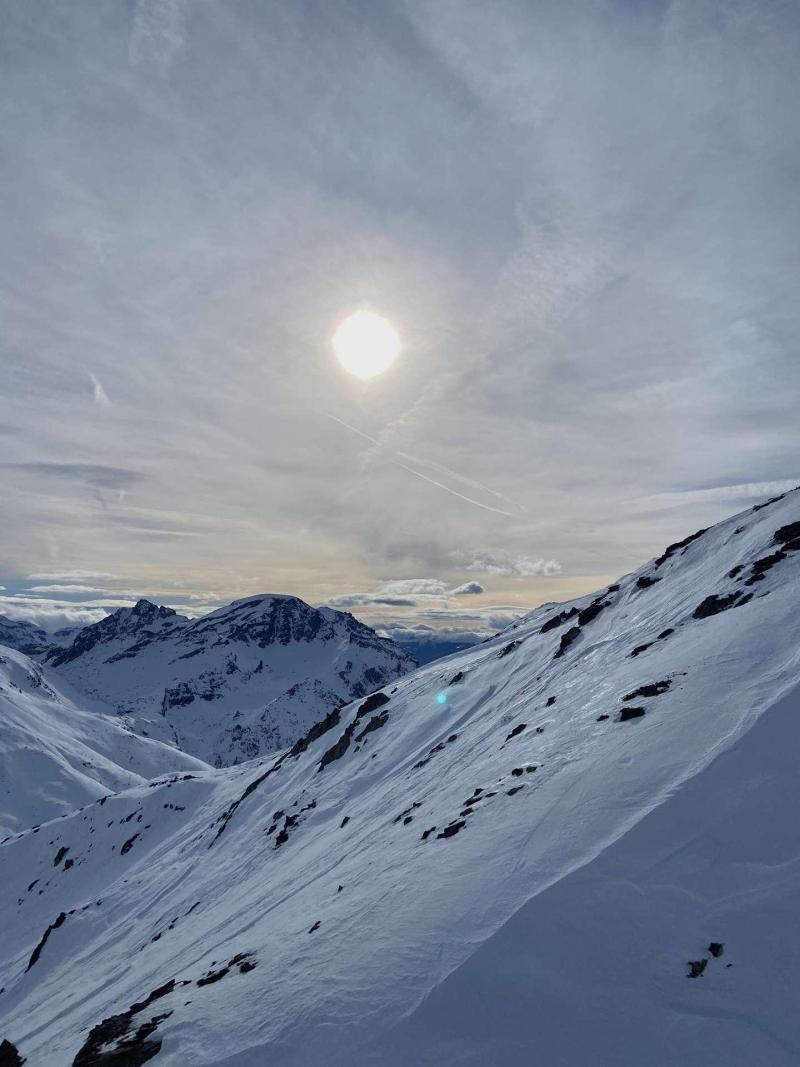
576 843
247 679
23 636
54 756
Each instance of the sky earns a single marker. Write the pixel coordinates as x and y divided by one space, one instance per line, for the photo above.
581 219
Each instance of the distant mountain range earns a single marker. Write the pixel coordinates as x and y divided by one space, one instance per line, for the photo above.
246 679
577 842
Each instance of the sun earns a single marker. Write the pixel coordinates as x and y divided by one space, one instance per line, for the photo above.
366 344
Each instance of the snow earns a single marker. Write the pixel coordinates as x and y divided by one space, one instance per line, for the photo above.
555 920
246 679
56 756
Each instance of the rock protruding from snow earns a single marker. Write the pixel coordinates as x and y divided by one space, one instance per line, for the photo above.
511 874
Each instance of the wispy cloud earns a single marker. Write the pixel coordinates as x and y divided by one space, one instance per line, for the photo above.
100 395
72 576
500 562
579 334
158 33
720 494
468 589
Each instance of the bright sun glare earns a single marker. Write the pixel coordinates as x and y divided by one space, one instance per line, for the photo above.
366 344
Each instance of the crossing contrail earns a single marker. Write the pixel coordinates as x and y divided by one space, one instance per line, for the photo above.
424 477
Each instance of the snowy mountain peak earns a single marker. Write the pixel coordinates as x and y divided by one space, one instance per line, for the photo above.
143 622
588 849
23 636
245 679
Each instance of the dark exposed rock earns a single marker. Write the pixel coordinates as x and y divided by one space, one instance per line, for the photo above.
427 833
630 713
9 1055
59 921
566 640
788 534
452 829
456 678
696 968
766 504
317 730
644 582
716 948
289 822
550 702
338 749
714 604
344 822
514 789
592 611
652 689
735 570
213 976
112 1044
665 634
372 703
672 549
432 752
128 845
230 811
761 566
504 651
641 648
405 815
516 731
601 718
558 620
375 723
60 855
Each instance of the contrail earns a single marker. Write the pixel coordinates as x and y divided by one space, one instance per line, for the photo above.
461 478
419 474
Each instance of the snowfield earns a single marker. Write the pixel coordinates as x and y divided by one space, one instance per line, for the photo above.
604 805
56 756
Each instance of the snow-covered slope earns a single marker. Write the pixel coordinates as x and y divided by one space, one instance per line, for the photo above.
603 804
23 636
54 756
247 679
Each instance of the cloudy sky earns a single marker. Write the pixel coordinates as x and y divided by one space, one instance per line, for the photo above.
581 218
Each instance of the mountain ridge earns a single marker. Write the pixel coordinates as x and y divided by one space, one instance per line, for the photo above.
405 883
224 686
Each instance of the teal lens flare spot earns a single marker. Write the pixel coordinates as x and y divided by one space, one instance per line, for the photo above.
441 698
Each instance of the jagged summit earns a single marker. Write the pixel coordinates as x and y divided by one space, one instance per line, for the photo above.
144 622
245 679
588 849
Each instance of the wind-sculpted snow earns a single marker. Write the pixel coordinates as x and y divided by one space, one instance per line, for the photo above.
520 873
247 679
56 756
